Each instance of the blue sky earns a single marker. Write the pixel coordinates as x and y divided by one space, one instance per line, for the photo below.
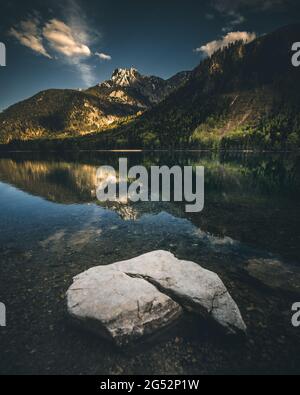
75 44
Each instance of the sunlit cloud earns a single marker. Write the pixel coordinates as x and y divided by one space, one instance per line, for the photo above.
63 40
29 34
67 39
211 47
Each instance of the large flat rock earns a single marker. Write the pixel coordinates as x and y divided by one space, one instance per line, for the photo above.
196 289
119 307
128 300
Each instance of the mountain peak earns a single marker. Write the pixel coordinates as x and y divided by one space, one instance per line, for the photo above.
129 86
125 77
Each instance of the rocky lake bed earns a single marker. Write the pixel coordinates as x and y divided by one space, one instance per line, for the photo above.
51 234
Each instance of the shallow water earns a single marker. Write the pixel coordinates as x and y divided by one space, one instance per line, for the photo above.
52 228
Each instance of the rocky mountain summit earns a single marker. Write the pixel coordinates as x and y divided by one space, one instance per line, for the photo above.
131 87
61 113
125 77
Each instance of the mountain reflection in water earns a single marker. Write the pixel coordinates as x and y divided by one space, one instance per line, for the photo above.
249 198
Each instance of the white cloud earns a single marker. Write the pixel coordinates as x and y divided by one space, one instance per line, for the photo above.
233 10
61 37
209 16
63 40
231 37
103 56
28 33
236 19
81 37
85 70
257 5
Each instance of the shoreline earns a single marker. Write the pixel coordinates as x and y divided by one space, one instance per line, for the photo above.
156 151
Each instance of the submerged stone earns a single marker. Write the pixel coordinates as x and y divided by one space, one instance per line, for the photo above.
275 274
118 307
130 299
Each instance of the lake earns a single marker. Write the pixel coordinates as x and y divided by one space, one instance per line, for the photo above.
53 227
